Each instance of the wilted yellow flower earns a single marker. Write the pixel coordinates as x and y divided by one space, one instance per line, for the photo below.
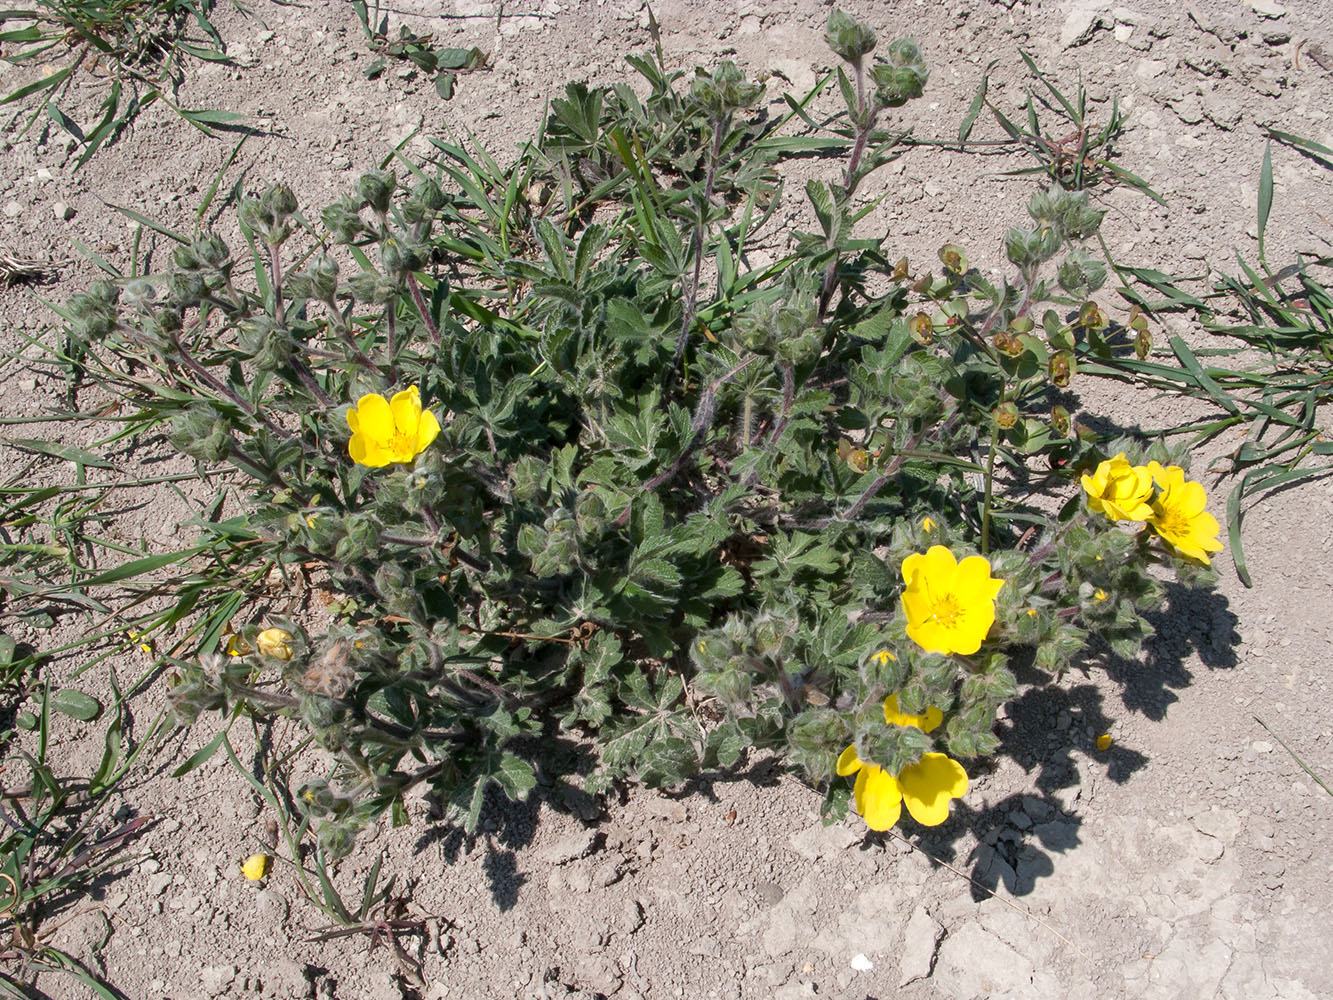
256 866
1178 514
275 642
1119 490
950 605
928 786
1104 741
236 646
883 657
385 431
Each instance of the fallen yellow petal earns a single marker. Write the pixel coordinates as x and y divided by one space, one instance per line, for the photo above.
256 866
1104 741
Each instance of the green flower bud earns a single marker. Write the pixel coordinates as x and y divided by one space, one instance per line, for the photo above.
279 202
343 220
1060 421
1005 416
902 77
211 251
849 38
376 189
425 201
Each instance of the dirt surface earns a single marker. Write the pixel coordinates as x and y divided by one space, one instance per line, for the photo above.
1190 860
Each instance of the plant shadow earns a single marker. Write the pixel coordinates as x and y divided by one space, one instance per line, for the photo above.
1052 734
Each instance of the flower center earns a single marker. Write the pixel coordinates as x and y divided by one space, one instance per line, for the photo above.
401 444
949 611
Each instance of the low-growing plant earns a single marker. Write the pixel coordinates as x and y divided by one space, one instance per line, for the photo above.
130 50
570 454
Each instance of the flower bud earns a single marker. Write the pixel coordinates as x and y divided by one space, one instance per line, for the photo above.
1060 421
376 190
275 642
344 222
849 38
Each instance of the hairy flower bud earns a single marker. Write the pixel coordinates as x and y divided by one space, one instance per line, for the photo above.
849 38
1060 421
376 189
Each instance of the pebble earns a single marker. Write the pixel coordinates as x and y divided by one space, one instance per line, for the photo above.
13 210
63 211
158 884
44 175
216 978
921 937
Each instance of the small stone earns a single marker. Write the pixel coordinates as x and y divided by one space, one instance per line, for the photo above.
151 866
172 949
13 210
158 883
921 937
862 964
1079 27
630 917
1123 33
62 211
216 978
1261 746
1268 9
44 175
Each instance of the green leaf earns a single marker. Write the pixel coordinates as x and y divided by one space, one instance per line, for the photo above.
58 449
515 776
76 704
1265 195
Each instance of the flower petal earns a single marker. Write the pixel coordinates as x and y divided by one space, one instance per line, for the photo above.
406 409
928 786
427 430
878 798
927 722
374 418
848 762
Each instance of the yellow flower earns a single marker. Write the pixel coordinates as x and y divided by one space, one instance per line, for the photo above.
275 642
927 525
1178 514
928 786
146 647
883 657
950 605
1100 594
385 431
1104 741
1119 490
256 866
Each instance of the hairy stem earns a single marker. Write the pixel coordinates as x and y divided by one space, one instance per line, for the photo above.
697 245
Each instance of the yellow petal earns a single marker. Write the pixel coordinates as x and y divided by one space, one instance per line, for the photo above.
878 797
848 762
913 565
929 785
374 418
926 722
427 430
256 866
1104 741
406 409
